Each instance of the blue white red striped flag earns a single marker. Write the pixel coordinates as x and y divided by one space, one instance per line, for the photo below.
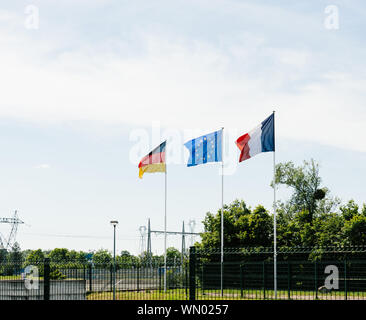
260 139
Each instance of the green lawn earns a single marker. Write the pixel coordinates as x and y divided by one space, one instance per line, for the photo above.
180 294
17 277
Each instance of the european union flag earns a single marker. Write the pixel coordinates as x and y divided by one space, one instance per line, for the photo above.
205 149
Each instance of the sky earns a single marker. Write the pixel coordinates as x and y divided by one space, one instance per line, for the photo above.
87 88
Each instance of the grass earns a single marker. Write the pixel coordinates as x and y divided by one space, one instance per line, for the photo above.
174 294
19 277
16 277
228 294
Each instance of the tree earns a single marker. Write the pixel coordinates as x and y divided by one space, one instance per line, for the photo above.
147 259
259 228
172 255
125 253
15 253
3 255
242 227
305 182
35 257
59 255
329 229
102 258
75 256
127 260
363 210
14 260
349 210
355 230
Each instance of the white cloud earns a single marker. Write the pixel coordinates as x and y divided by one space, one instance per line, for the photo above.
43 166
183 84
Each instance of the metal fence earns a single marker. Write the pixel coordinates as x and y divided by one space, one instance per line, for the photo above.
247 274
138 283
73 280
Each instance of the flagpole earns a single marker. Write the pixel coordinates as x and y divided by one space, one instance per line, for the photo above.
274 216
165 270
222 211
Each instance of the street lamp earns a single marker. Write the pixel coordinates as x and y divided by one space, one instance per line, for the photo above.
114 223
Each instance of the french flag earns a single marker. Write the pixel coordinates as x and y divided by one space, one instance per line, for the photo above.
260 139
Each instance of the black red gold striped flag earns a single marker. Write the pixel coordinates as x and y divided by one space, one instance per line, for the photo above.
154 161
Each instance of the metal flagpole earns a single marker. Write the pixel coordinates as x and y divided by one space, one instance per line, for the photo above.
222 211
274 217
165 270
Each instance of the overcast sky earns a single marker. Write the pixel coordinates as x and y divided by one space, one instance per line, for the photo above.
88 87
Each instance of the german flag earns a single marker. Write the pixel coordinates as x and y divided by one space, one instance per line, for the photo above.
154 161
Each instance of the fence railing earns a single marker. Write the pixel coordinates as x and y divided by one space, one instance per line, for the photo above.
249 274
72 280
246 275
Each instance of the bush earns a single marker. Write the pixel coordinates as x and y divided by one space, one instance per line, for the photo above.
57 275
175 278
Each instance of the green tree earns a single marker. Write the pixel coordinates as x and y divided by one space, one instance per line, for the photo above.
102 258
329 229
363 210
13 262
59 255
15 253
127 260
355 230
258 230
172 255
349 210
125 253
147 259
242 227
35 257
75 256
3 255
305 182
294 230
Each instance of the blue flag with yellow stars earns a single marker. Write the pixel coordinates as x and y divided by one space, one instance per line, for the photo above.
205 149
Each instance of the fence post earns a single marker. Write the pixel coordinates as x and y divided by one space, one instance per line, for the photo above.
111 276
159 270
90 277
345 278
202 281
289 280
186 279
264 279
46 279
316 279
84 276
192 273
241 281
138 279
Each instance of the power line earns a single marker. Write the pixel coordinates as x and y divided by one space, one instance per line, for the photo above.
14 222
183 233
74 236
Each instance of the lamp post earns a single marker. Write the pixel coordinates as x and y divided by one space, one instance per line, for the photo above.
114 223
